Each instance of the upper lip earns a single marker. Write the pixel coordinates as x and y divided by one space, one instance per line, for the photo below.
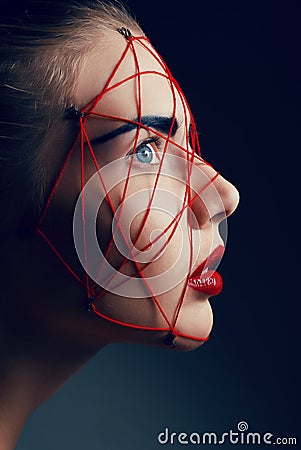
210 261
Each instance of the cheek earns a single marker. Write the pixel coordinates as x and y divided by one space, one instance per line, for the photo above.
104 225
111 244
155 236
151 219
158 241
147 238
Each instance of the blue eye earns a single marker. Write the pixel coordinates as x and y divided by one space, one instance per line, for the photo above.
145 153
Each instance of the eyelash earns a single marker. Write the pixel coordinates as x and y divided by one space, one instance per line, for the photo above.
159 144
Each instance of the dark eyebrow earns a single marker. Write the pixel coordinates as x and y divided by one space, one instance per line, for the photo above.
159 123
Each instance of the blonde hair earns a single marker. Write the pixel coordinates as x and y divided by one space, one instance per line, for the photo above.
42 47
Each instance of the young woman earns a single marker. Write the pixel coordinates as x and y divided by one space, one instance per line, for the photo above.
110 216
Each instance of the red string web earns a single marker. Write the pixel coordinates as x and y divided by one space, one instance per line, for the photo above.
191 148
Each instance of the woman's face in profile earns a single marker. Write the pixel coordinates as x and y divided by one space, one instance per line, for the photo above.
154 204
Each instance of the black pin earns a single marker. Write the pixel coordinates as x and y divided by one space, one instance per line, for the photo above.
170 340
73 113
125 32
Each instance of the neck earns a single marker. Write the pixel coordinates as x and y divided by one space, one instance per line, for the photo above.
45 336
27 379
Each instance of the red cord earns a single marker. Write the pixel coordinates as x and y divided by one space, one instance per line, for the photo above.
82 137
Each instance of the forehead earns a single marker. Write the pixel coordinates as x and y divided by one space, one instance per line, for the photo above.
141 81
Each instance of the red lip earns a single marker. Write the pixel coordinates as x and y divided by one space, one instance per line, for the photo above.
211 282
212 260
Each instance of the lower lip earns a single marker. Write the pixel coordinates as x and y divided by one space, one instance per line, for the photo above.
210 283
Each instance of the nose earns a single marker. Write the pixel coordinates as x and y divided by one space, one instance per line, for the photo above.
214 197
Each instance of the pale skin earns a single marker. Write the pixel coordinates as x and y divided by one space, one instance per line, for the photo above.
47 335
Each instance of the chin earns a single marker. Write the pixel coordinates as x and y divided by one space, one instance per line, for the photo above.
186 345
195 320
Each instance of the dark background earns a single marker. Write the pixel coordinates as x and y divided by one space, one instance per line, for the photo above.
238 66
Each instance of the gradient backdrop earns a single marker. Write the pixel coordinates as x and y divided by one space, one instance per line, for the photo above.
238 66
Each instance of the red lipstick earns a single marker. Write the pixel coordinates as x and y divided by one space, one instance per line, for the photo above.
210 282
